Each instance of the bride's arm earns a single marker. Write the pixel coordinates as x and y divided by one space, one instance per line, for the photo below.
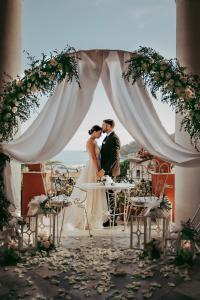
91 150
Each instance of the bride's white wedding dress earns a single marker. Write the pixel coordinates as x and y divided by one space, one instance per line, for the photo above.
96 203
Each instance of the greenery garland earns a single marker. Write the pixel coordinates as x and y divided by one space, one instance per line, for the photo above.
20 96
178 88
5 215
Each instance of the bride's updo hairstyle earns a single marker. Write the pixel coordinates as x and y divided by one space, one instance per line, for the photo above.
94 128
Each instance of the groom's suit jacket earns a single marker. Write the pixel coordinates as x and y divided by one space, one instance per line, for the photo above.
109 155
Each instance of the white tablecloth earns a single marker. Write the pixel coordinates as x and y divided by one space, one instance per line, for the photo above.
99 185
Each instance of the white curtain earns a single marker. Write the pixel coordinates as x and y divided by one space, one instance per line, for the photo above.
67 107
134 108
60 117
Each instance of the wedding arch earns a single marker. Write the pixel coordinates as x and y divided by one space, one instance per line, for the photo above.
71 78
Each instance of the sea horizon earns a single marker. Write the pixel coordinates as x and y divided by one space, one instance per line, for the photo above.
72 158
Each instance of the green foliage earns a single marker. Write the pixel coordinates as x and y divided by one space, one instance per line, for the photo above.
9 257
45 244
153 249
124 166
178 88
184 257
188 231
5 215
165 204
21 95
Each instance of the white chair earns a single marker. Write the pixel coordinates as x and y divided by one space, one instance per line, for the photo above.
195 222
81 203
144 204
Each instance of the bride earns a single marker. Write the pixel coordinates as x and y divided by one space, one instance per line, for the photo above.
96 203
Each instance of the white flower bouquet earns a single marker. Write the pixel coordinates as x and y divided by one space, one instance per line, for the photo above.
107 180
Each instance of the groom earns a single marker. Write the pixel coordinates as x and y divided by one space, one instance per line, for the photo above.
110 161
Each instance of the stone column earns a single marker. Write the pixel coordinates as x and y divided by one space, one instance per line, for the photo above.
187 181
10 60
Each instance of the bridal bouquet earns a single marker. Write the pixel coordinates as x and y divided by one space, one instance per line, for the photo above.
107 180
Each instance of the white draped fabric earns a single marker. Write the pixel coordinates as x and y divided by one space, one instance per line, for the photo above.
135 110
67 107
60 117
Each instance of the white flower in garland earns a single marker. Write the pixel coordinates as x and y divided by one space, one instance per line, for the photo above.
53 62
189 93
19 83
14 109
34 89
52 77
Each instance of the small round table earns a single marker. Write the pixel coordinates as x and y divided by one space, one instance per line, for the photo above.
116 188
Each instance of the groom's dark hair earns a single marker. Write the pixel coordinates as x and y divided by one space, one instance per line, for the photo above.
110 122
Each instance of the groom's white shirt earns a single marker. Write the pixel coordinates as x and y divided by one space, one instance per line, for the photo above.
109 133
106 137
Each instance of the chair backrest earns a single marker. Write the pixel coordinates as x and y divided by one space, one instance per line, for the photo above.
195 220
61 178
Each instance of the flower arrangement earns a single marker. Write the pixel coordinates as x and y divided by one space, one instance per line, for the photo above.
142 189
186 252
9 256
46 206
106 180
12 231
188 231
45 243
63 187
185 256
144 154
10 245
178 88
165 204
160 211
152 249
20 96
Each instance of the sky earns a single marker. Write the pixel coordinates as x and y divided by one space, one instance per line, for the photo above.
100 24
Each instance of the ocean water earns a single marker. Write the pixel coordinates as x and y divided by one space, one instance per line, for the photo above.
72 158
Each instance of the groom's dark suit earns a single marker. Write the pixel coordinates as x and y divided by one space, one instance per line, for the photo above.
109 155
110 161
